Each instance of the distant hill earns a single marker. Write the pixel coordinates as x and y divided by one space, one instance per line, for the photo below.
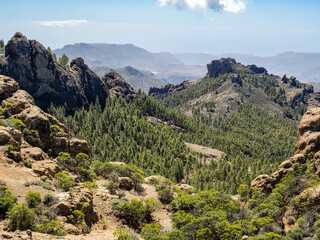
119 55
304 66
138 79
229 84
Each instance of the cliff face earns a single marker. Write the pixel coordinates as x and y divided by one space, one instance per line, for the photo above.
32 66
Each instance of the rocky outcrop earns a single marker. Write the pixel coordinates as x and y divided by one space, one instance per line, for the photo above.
33 67
81 201
117 86
258 70
308 137
169 88
265 183
25 126
307 142
222 66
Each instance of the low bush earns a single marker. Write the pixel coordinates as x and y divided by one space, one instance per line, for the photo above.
45 185
33 198
21 217
7 200
51 227
65 182
123 234
31 136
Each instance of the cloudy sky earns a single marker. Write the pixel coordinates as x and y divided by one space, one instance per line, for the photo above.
261 27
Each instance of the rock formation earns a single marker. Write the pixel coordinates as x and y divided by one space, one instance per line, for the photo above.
307 142
117 85
169 88
222 66
18 109
32 66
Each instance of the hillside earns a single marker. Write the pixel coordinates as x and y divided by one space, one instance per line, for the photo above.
57 192
304 66
229 84
107 185
136 78
118 56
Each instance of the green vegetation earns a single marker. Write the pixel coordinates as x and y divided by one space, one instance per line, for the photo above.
64 61
65 182
33 199
7 200
267 84
122 234
254 141
54 56
20 217
1 44
135 212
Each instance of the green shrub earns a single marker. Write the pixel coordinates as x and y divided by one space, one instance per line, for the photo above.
90 185
65 181
31 136
14 123
27 162
7 200
118 201
135 212
51 227
20 217
54 129
151 232
33 198
12 148
166 196
47 199
79 165
122 234
243 191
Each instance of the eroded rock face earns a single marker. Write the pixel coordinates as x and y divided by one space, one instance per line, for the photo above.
118 86
33 67
82 201
308 137
20 105
222 66
265 183
169 88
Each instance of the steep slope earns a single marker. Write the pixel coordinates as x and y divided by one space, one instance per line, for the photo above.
118 56
229 84
34 69
136 78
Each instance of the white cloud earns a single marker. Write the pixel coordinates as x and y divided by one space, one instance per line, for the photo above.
233 6
63 23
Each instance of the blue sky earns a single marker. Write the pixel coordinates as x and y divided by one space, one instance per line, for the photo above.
261 27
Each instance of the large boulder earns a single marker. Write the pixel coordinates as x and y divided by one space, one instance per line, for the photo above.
222 66
83 201
308 137
117 85
33 67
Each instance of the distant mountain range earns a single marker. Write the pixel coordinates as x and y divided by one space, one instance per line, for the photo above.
175 68
119 55
304 66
